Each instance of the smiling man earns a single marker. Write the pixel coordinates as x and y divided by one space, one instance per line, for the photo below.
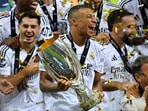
20 65
82 23
9 28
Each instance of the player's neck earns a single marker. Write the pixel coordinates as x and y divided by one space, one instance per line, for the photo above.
117 39
78 39
27 46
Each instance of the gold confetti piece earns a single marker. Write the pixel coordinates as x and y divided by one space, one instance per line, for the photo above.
110 80
121 63
145 31
20 61
98 39
64 2
112 99
21 77
128 96
99 109
84 66
1 56
22 66
132 53
60 12
37 12
35 91
137 18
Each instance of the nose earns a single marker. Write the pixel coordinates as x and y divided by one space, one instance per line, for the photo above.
94 19
134 31
29 29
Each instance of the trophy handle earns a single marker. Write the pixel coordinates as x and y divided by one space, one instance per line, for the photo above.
48 42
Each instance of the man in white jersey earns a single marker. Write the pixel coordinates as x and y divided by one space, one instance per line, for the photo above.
140 73
17 65
140 10
118 57
9 25
82 23
56 11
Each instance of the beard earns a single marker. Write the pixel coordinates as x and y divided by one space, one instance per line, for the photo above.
127 40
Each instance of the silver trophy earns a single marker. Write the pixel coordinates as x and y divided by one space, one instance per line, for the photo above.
59 59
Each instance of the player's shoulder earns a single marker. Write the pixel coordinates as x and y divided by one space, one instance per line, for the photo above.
95 43
4 50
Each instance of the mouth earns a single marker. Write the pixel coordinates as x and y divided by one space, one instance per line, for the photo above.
28 37
92 28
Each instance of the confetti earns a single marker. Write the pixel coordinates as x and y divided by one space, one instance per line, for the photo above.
137 18
35 91
110 80
99 109
37 12
128 96
132 53
1 56
112 99
60 12
145 31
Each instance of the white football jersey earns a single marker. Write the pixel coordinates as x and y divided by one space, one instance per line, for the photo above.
134 6
26 100
115 71
68 100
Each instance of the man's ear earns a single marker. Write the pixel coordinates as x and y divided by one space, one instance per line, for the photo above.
73 22
137 77
19 30
116 28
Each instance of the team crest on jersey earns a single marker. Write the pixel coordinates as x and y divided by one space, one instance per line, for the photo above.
92 55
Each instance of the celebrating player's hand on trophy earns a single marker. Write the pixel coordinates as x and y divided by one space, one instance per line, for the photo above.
63 83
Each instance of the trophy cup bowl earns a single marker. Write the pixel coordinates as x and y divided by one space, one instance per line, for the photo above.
59 59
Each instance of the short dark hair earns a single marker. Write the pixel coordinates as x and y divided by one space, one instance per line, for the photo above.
116 17
30 14
136 66
75 9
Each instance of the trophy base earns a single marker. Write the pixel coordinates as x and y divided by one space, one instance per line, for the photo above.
90 103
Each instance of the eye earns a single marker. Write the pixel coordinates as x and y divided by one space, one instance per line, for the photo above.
33 26
25 26
132 26
90 15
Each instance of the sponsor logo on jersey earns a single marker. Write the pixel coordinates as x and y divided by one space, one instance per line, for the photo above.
114 58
